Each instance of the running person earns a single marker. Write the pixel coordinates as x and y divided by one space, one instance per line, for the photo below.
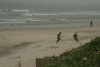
75 37
58 37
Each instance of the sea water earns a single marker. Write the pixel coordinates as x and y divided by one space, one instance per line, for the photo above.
53 17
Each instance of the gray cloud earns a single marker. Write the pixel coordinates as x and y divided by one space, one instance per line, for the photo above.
64 4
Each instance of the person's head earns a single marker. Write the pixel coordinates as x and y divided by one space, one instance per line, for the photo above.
59 32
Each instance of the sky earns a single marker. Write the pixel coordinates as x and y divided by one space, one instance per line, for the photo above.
51 4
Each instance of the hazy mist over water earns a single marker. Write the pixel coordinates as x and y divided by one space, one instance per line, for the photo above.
41 12
51 4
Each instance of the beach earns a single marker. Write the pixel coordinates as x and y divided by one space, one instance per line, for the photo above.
26 44
29 28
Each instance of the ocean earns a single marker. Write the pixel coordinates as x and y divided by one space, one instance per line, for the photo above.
38 17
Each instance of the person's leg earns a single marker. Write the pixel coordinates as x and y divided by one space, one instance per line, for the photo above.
58 40
91 25
77 39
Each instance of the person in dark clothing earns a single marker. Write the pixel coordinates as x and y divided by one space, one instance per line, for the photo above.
75 37
91 24
58 37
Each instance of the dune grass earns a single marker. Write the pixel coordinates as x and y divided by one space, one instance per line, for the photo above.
19 64
87 55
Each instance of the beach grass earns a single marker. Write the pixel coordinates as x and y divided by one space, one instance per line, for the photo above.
19 64
87 55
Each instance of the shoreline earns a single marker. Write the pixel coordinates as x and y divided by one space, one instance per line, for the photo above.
66 25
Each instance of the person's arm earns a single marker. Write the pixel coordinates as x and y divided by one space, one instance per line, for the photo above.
60 36
76 35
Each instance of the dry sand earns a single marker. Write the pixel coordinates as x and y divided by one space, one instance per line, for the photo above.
26 45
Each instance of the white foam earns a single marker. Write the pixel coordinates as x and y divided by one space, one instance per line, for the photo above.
26 14
63 13
40 20
14 22
45 14
80 13
63 19
22 10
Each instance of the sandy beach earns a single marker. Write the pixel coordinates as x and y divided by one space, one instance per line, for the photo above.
25 45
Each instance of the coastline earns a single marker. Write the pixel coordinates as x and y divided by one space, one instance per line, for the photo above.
27 44
60 25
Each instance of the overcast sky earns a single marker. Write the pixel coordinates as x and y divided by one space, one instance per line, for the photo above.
86 4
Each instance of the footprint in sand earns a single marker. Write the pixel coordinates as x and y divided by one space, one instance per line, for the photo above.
15 57
37 46
52 47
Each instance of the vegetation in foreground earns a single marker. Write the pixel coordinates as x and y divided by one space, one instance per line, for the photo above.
87 55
